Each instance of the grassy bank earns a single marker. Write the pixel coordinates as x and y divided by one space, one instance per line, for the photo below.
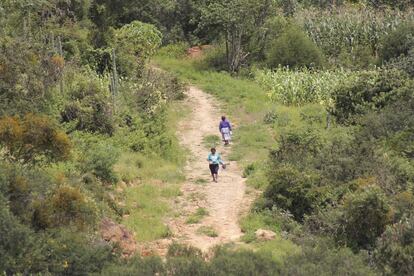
153 182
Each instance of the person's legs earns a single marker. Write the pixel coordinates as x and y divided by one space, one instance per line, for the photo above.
216 168
212 170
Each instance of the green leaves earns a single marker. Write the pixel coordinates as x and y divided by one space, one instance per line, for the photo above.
139 38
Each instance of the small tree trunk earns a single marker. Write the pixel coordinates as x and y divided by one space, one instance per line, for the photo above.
114 81
328 120
61 83
227 49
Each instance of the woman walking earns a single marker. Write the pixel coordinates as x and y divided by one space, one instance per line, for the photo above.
225 130
214 160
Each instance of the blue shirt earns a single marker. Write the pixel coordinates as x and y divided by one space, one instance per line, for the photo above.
224 124
214 159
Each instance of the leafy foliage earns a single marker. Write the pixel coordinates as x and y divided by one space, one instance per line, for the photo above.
399 42
366 214
293 191
394 252
33 139
294 50
371 91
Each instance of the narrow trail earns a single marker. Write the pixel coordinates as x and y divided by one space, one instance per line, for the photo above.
225 200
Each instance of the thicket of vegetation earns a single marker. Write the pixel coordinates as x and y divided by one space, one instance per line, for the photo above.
340 175
80 111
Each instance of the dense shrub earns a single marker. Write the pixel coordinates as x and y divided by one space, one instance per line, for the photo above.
361 57
100 159
365 215
215 57
404 63
298 146
321 259
138 41
19 249
399 42
70 206
33 139
19 194
181 262
371 91
27 75
228 262
295 50
89 107
75 253
394 254
177 50
189 265
291 190
135 266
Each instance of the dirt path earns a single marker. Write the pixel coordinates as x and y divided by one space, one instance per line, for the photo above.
225 200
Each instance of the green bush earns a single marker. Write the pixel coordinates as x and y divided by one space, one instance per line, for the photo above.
294 191
33 139
404 63
394 253
27 75
297 146
399 42
322 259
19 247
215 57
177 50
135 266
295 50
185 260
69 206
371 91
228 262
360 57
75 253
365 215
100 159
89 105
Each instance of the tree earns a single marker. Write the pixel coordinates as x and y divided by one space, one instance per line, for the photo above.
294 49
237 21
138 39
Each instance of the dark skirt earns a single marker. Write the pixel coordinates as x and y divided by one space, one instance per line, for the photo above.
214 168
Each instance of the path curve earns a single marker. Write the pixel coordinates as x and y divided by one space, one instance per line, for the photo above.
226 200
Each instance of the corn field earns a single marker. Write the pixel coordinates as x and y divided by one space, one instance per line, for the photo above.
304 86
346 28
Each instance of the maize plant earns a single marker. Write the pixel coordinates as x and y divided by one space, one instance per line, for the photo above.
346 28
303 86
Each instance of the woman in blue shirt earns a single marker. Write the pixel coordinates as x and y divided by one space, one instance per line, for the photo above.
214 160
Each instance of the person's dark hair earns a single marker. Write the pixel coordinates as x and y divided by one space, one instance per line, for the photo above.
213 149
223 118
